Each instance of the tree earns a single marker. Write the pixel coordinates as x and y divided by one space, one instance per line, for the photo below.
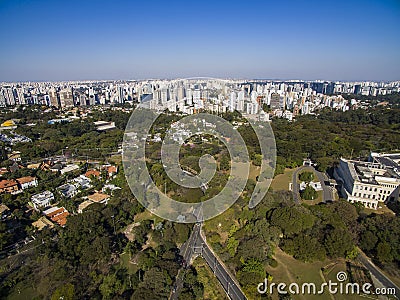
305 248
384 252
110 286
338 242
306 176
368 241
66 292
292 220
181 232
309 193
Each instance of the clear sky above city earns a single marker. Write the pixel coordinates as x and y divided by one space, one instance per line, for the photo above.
74 40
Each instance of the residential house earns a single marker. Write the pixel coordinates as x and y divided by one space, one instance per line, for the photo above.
69 168
110 187
99 198
42 200
3 171
27 182
34 166
83 205
4 211
15 167
57 214
68 190
93 173
104 125
14 156
111 170
82 182
9 186
42 223
54 168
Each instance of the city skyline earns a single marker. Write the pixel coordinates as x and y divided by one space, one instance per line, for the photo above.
49 41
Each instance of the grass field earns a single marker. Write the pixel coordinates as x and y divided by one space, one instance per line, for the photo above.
316 201
290 270
147 215
281 181
254 172
125 261
330 274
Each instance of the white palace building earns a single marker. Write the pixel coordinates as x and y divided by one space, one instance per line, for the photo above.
371 182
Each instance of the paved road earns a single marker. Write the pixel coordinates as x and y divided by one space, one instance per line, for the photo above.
197 245
227 280
327 191
295 185
378 274
187 252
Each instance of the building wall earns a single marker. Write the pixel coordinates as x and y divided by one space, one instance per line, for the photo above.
369 194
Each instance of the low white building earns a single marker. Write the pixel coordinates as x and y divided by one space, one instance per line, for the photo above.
69 168
82 182
27 182
370 183
42 200
315 185
68 190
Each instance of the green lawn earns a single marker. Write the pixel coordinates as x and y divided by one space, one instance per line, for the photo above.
330 274
281 181
291 270
319 199
147 215
124 261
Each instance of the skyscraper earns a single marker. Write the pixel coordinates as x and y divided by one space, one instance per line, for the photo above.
9 96
66 97
275 101
54 98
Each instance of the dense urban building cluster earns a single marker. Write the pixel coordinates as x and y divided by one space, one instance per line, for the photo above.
283 98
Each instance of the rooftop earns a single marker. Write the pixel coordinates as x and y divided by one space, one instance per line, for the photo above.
7 183
42 196
42 223
26 179
98 197
3 208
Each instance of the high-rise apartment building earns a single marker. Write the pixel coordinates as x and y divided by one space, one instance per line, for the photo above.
66 97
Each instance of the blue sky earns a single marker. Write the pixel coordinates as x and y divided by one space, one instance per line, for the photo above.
73 40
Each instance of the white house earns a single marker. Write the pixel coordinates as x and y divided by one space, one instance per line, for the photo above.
68 190
43 199
27 182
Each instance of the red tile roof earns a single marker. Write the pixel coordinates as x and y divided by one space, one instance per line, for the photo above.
56 212
92 172
7 183
61 219
26 179
112 169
